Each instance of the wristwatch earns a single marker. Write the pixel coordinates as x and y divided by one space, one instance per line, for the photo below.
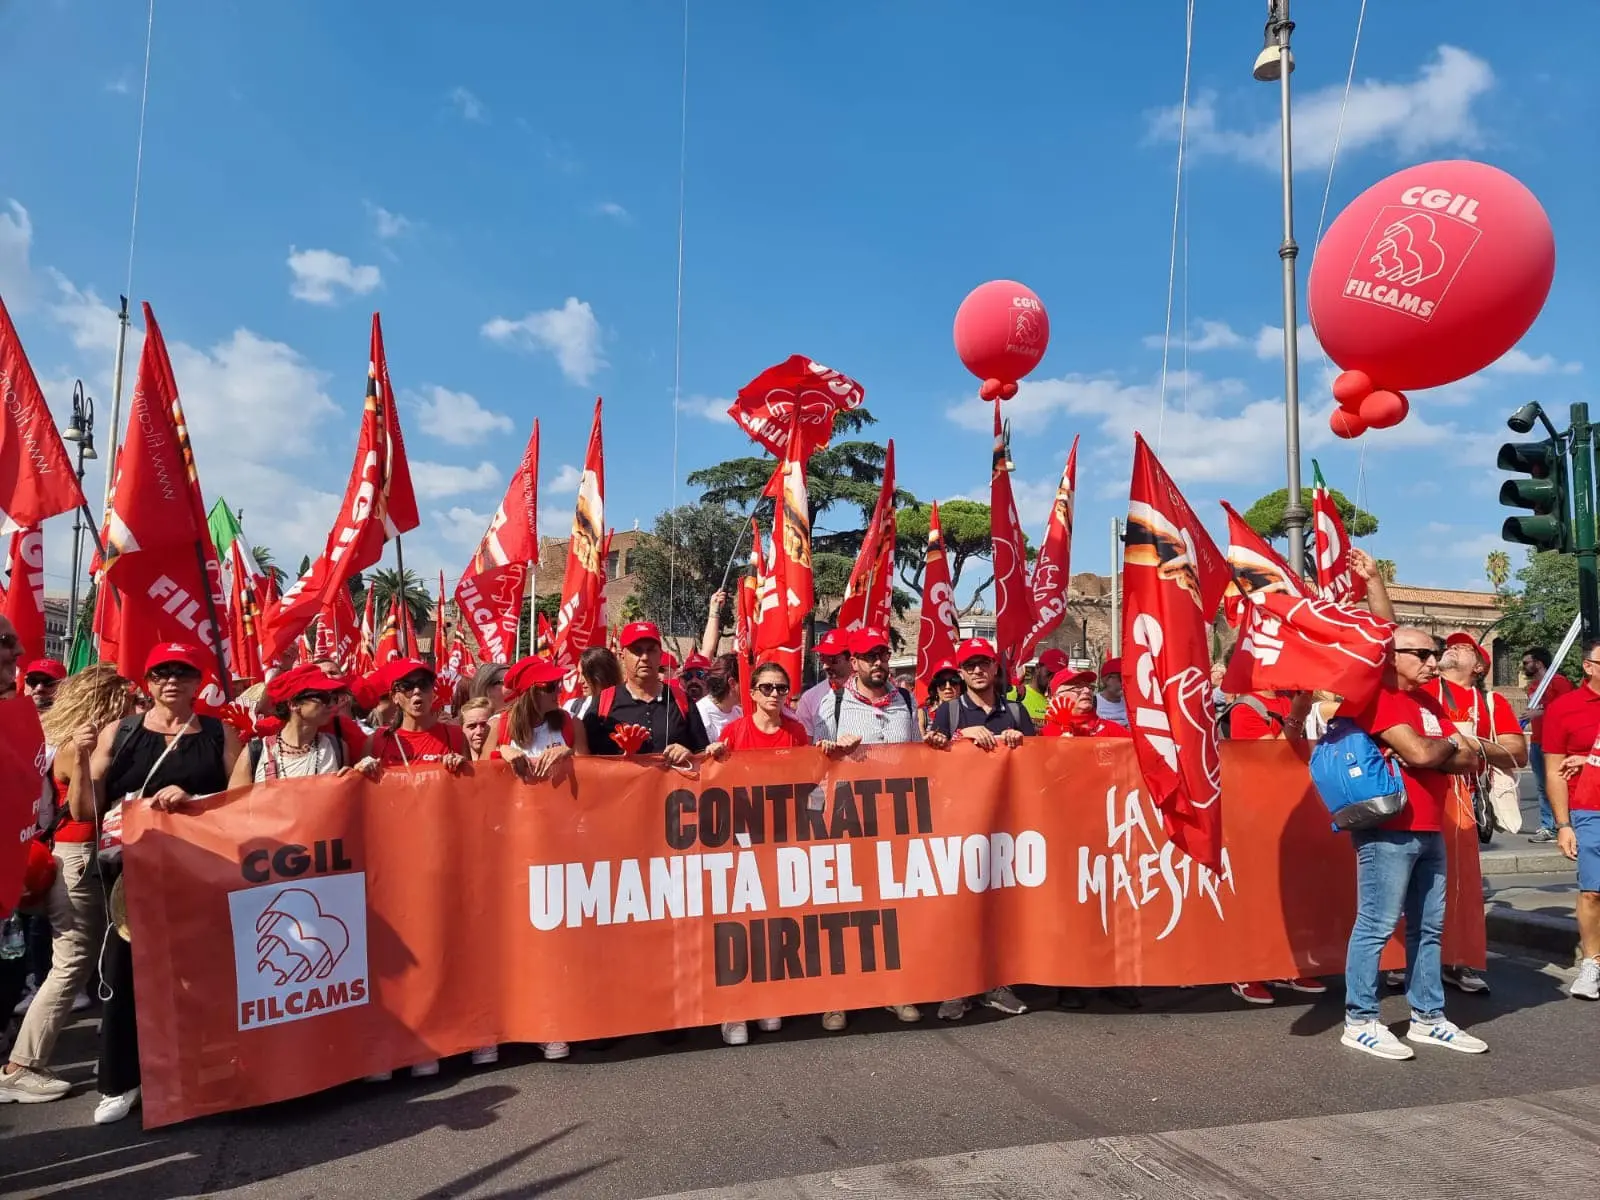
1560 825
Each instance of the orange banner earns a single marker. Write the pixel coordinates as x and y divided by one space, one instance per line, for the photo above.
304 933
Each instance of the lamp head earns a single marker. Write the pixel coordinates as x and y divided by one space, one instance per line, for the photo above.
1523 419
1269 63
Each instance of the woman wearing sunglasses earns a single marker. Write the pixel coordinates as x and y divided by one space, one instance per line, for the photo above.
302 698
535 734
767 728
418 735
945 687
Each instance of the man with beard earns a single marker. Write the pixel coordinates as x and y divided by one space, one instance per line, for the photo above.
833 652
719 704
40 678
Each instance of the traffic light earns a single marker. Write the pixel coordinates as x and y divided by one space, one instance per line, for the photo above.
1544 492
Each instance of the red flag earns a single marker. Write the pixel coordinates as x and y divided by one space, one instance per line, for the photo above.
364 657
744 630
583 600
24 592
1335 580
1013 602
1052 569
36 476
489 596
378 504
337 632
159 553
780 625
547 637
1256 567
388 647
767 406
244 617
937 632
1173 579
1297 643
866 597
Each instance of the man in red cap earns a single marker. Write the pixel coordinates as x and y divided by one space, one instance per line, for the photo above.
979 714
1074 690
867 710
40 678
675 730
1111 705
833 652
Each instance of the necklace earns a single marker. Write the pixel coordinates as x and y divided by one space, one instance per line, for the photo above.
290 748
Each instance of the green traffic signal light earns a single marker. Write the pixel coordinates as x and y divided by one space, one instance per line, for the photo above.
1543 493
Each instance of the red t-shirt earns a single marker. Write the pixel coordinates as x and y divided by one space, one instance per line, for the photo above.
419 745
742 734
1245 723
1560 685
1425 789
1572 725
69 830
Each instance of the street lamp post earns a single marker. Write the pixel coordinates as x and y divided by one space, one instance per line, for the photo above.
1275 64
80 430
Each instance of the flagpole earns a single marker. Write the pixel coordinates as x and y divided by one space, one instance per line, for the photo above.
400 591
223 676
116 409
1116 588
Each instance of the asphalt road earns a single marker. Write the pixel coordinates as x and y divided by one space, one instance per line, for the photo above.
641 1119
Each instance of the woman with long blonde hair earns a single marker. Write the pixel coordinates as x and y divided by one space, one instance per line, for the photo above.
85 704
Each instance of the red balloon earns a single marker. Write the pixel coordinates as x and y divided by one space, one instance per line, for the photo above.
1007 390
1382 410
990 389
1001 331
1431 274
1351 388
1346 424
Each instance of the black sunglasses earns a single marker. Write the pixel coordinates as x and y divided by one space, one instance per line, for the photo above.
415 683
773 689
695 673
1420 655
173 671
40 680
546 689
314 698
945 681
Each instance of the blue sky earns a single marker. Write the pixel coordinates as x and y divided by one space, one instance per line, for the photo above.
503 185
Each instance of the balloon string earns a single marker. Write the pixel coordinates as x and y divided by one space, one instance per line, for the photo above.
1177 207
677 336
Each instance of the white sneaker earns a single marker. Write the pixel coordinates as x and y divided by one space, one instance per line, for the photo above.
954 1010
486 1056
833 1021
1444 1033
1587 985
770 1024
425 1070
27 1085
1003 999
379 1077
554 1050
735 1033
908 1013
1375 1038
81 1001
112 1109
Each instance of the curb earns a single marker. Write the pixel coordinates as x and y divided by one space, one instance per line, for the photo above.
1530 861
1549 933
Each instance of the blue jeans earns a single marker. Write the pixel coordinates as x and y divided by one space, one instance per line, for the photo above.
1396 871
1547 816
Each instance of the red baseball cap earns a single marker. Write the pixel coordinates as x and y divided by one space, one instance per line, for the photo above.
1111 666
531 672
1053 661
865 641
697 661
669 660
946 667
1455 639
178 652
976 648
1069 676
392 673
639 631
306 678
835 641
45 666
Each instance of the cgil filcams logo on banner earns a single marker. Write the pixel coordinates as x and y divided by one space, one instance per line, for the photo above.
299 948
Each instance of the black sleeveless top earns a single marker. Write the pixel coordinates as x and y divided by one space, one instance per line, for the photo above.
195 763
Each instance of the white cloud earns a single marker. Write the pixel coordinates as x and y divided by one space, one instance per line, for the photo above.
319 274
615 211
707 408
454 417
570 332
566 481
16 239
459 526
468 105
434 481
1520 362
1435 109
1206 335
1268 343
119 86
386 224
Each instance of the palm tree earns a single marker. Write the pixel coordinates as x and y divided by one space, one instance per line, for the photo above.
1497 566
1386 569
386 583
264 560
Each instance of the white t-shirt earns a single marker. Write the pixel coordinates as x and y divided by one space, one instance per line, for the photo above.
714 718
323 759
543 738
811 703
1111 710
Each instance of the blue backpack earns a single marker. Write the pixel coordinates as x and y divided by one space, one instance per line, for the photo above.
1361 787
